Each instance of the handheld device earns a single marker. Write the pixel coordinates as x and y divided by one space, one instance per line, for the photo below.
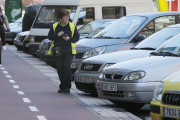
65 35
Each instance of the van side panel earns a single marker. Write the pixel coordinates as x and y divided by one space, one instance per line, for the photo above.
133 9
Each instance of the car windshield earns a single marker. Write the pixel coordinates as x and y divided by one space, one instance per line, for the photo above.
93 33
158 38
122 28
169 48
88 28
49 15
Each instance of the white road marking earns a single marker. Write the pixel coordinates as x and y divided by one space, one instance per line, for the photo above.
26 100
2 68
0 65
20 92
33 108
41 118
16 86
5 72
12 81
8 76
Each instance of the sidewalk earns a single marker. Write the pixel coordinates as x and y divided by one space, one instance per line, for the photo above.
101 108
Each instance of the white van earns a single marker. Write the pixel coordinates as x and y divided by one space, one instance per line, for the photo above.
82 11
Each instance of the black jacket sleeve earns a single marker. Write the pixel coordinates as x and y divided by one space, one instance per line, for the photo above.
51 35
75 37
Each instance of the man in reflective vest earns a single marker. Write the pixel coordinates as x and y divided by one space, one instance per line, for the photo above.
65 35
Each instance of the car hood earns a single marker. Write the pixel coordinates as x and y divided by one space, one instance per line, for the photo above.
23 33
88 44
155 67
16 30
118 56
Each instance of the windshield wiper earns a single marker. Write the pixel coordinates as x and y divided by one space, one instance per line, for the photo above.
169 54
135 48
154 53
147 48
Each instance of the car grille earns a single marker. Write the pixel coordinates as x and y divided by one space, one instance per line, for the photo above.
113 76
85 86
171 99
113 93
79 55
40 38
90 67
10 35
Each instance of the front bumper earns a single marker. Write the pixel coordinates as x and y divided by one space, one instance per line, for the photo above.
40 53
33 47
156 111
86 87
140 92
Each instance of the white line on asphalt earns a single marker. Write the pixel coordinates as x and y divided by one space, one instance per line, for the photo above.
33 108
20 92
26 100
8 76
12 81
0 65
16 86
41 118
2 68
5 72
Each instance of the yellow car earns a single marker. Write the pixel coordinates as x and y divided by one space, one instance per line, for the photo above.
166 102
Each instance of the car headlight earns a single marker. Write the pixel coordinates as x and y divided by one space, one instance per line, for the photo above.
101 74
79 67
135 75
94 52
31 39
158 91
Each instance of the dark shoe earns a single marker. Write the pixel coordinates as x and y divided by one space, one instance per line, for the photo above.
67 91
60 91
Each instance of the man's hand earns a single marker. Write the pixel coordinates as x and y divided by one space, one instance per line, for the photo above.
8 29
66 38
4 47
60 33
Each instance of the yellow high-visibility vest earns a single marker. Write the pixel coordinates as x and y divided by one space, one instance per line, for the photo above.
73 45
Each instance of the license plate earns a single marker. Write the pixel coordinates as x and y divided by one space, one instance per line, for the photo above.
109 87
171 112
27 45
85 79
73 65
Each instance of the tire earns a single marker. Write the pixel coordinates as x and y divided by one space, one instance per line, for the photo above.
129 106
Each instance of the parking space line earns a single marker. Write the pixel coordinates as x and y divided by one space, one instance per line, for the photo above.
16 86
5 72
0 65
26 100
20 92
8 76
2 68
41 118
12 81
33 108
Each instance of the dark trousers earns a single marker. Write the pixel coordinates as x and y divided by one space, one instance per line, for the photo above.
2 34
63 66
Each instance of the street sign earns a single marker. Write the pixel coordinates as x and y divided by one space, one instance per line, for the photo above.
13 9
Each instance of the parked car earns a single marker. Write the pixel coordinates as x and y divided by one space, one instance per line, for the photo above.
166 102
83 31
132 82
89 70
16 23
25 46
18 41
12 34
123 34
49 58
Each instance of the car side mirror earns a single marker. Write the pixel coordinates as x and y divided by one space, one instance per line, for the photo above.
139 38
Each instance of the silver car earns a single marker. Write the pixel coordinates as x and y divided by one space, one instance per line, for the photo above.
89 70
134 81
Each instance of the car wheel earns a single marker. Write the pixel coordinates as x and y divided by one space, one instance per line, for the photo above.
129 106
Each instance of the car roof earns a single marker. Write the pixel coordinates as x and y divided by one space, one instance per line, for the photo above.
156 14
